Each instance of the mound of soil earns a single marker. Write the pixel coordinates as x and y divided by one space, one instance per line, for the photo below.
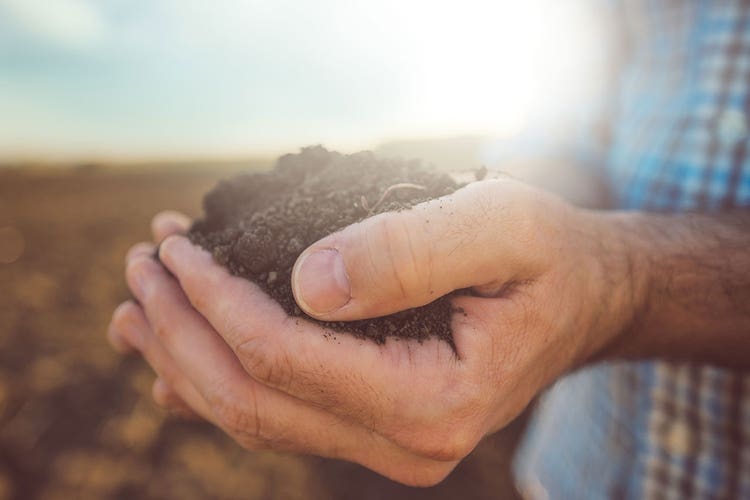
257 225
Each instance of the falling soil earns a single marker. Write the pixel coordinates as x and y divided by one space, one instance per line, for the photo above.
258 224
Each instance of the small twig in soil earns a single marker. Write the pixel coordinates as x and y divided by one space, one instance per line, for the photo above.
389 190
363 201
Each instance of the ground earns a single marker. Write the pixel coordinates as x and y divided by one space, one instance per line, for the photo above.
76 419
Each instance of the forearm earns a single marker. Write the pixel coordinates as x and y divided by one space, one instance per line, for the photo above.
689 287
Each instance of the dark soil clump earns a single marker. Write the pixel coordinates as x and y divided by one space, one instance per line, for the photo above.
257 225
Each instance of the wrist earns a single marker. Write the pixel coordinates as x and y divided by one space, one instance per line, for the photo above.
620 283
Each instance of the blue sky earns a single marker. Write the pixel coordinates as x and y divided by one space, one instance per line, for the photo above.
82 79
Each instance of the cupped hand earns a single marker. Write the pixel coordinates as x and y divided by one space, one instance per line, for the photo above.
550 290
199 376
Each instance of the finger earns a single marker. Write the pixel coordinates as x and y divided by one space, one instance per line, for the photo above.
124 332
249 410
182 331
168 223
357 380
399 260
117 341
131 324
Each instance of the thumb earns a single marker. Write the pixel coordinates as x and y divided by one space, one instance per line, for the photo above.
399 260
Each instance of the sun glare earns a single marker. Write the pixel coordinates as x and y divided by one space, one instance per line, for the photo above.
491 67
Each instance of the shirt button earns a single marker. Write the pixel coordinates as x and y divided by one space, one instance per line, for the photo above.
732 125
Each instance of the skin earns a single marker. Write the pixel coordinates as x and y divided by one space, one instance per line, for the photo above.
555 287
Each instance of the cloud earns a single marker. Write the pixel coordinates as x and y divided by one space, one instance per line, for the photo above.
73 24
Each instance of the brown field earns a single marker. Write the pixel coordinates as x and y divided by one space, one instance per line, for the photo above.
76 419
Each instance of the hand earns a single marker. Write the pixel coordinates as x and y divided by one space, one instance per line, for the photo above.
551 290
200 377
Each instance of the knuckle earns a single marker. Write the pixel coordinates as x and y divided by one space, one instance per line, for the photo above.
241 419
405 256
452 431
270 369
422 476
232 417
235 327
520 205
232 420
491 203
461 443
447 443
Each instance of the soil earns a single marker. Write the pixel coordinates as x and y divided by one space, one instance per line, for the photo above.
258 224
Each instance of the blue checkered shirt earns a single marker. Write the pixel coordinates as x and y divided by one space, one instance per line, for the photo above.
673 136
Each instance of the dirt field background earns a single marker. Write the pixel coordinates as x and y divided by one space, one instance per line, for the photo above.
76 419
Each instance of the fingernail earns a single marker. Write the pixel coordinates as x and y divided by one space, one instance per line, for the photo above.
321 283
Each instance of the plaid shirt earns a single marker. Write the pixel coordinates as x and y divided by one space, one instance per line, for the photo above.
676 137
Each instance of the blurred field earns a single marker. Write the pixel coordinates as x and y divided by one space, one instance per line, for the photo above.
76 420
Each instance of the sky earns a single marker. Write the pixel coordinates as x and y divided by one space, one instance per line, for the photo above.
144 79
